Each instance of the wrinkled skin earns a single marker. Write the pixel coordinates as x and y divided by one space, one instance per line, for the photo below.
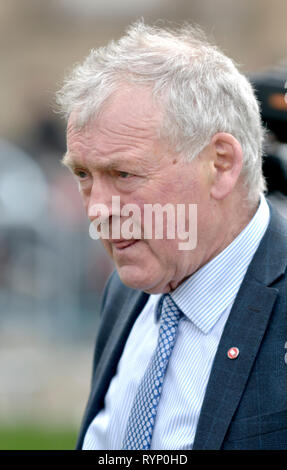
120 154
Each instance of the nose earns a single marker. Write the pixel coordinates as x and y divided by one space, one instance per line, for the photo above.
99 201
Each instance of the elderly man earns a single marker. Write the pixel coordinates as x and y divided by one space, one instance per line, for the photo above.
191 348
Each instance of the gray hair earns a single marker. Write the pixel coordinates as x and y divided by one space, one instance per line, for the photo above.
201 90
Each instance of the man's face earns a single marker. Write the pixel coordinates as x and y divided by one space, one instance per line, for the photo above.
120 154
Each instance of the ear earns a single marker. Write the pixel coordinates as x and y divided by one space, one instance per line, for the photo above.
226 160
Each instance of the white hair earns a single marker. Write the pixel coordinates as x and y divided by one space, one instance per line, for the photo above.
201 90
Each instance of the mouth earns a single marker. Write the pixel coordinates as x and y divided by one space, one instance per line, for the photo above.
123 244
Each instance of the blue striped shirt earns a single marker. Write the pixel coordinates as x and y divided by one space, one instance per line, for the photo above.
206 299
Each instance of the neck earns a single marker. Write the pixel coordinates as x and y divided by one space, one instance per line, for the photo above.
235 216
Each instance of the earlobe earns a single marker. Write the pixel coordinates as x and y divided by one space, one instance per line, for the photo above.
227 164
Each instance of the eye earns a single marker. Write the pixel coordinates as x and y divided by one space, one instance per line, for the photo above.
82 174
123 174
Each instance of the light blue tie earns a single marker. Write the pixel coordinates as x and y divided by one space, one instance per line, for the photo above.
141 420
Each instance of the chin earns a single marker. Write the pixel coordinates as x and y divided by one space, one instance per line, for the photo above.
137 278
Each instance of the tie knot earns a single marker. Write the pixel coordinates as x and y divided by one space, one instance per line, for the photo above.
170 312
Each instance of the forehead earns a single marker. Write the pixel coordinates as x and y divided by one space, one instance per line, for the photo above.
133 106
129 119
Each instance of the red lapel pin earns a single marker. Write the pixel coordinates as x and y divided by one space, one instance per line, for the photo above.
233 353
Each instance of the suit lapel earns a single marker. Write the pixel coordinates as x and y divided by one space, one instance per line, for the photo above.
244 329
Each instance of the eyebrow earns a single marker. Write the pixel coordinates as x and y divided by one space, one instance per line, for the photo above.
66 160
69 161
72 163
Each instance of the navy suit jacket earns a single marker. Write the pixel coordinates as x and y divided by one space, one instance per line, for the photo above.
245 404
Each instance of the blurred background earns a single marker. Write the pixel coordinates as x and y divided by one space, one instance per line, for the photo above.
51 273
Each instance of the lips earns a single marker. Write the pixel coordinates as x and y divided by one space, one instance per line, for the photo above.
121 244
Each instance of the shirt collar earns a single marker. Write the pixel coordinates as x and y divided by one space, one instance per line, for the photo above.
205 295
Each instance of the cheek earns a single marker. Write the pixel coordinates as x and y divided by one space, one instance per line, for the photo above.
163 251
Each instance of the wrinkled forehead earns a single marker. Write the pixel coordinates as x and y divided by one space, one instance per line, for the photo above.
128 125
129 106
129 118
